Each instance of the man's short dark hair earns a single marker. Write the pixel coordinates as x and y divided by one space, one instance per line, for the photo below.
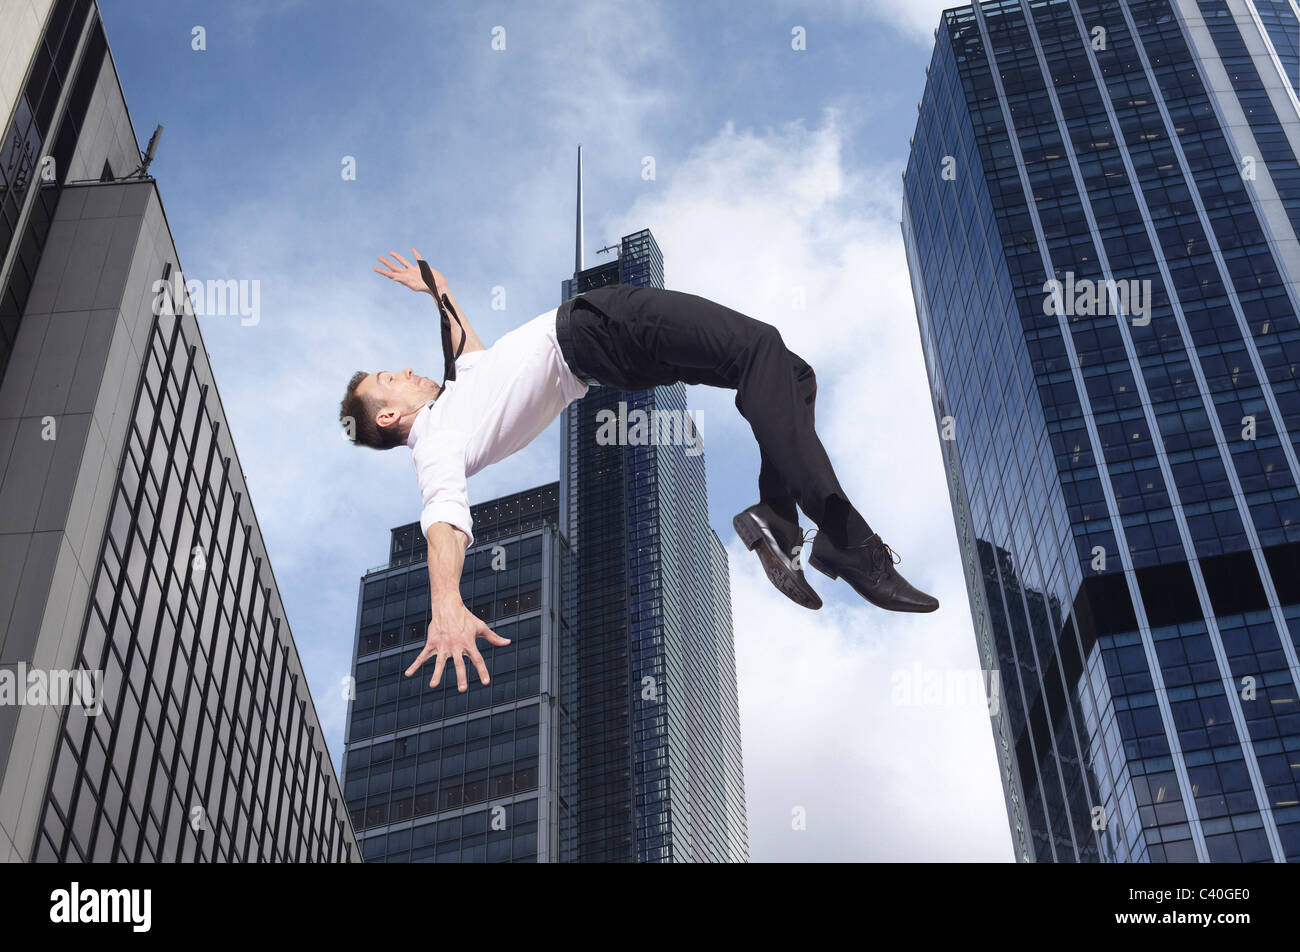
358 418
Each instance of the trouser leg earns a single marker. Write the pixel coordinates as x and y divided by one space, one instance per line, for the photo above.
772 488
636 338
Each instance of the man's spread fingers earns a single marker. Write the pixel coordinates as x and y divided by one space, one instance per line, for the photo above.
493 637
479 666
397 257
461 684
419 661
437 671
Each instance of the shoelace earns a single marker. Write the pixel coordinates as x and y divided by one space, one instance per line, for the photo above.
880 553
880 550
799 551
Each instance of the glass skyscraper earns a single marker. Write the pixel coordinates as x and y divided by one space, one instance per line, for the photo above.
434 775
1100 216
129 549
658 752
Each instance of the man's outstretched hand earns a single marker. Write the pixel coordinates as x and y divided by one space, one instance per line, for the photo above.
454 632
407 274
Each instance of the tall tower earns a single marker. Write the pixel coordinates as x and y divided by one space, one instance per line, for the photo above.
433 775
131 562
1100 216
658 753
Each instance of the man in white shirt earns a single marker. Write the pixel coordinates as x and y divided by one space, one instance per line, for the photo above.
494 401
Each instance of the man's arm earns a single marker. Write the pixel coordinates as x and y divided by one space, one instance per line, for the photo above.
472 343
408 275
454 629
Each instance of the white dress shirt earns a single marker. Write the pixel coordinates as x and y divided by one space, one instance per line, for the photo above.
501 399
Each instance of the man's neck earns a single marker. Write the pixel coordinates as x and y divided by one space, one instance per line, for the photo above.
408 418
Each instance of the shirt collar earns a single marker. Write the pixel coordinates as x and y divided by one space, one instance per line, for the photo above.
410 436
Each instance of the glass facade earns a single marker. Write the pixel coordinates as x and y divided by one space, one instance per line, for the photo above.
1103 271
31 135
434 775
657 747
1281 23
204 748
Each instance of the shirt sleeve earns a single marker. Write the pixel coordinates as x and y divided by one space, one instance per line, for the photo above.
439 460
467 361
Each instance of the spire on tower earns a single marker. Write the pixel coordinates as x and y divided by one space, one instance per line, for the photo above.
577 246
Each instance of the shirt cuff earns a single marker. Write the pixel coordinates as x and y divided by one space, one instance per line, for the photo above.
450 513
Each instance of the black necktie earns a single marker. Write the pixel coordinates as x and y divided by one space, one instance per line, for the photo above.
444 309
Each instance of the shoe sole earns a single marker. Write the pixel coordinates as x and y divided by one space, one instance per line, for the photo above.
781 579
825 569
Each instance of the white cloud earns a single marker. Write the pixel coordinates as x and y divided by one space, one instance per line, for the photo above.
825 730
914 19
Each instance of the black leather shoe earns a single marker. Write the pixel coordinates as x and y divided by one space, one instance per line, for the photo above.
763 531
869 568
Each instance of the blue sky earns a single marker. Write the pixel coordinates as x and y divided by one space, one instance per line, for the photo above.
777 173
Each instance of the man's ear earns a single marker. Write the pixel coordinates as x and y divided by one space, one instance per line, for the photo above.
387 417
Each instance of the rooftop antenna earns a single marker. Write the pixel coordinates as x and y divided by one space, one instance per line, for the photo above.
577 246
149 152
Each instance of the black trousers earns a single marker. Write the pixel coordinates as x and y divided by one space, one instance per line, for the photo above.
636 338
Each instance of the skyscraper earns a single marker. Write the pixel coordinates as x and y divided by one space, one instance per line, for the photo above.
658 753
1100 216
433 775
129 549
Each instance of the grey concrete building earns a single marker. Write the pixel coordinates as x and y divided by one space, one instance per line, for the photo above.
129 548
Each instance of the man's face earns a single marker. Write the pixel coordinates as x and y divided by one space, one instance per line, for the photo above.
396 392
